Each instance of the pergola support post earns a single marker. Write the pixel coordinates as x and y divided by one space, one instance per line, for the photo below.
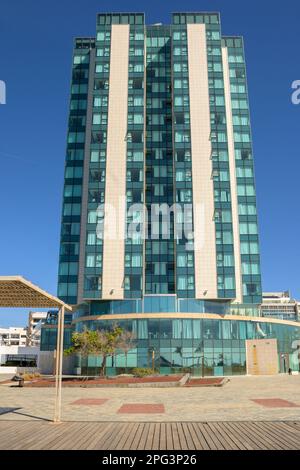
59 364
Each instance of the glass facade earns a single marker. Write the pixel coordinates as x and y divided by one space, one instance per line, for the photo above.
186 344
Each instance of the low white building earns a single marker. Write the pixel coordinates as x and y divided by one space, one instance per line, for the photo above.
280 305
13 336
15 359
35 322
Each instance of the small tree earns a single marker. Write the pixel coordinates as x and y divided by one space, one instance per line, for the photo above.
126 342
100 343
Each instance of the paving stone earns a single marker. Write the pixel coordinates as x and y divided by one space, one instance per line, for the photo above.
275 403
144 408
90 401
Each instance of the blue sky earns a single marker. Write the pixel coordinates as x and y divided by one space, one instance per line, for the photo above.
35 61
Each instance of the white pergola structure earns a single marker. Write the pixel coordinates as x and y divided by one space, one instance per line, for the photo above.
15 292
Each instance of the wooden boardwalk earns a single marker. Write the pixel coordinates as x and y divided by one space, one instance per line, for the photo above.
36 435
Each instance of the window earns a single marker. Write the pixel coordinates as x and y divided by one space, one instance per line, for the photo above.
79 89
182 136
93 260
101 84
92 239
185 260
72 191
103 52
97 156
78 104
135 137
248 229
249 268
225 260
69 249
76 137
100 68
72 209
185 282
73 172
68 269
135 156
100 101
133 260
81 59
93 283
246 190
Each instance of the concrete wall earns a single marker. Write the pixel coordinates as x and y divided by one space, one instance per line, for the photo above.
262 357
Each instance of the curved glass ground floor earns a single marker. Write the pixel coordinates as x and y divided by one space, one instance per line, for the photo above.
203 344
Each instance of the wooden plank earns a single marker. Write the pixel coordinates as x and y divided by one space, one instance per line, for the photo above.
280 435
86 439
205 437
156 437
212 441
243 435
242 444
188 437
175 436
49 433
267 436
169 437
8 438
130 437
83 437
103 428
149 441
63 441
28 436
203 443
121 443
226 441
289 427
163 437
264 442
144 435
243 430
114 440
137 436
114 436
182 439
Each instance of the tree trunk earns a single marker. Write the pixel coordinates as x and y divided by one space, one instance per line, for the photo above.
103 365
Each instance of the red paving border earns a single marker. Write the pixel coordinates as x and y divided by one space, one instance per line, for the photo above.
275 403
143 408
90 401
105 381
204 382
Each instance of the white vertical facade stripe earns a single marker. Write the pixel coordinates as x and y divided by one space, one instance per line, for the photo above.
203 190
115 182
233 185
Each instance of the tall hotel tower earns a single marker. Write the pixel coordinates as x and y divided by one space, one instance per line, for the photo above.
159 115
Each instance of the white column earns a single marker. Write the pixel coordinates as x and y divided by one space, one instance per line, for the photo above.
115 185
233 185
203 189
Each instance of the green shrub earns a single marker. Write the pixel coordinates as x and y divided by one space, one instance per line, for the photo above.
142 372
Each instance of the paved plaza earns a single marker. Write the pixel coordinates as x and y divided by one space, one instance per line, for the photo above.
275 398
